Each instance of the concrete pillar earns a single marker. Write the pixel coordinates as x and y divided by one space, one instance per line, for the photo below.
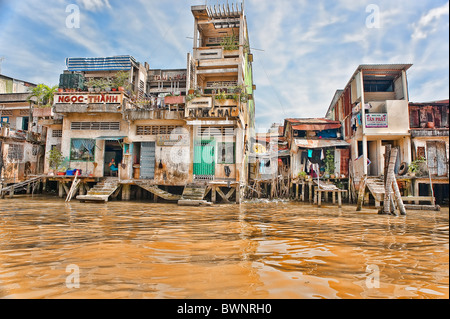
126 192
365 156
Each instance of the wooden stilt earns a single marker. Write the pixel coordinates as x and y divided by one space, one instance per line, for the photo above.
391 187
362 188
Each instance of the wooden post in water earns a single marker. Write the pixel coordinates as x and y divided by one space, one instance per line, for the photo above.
391 189
362 188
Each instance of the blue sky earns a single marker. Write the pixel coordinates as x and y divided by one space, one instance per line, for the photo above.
303 50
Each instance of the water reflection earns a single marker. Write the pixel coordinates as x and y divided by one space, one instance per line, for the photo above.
255 250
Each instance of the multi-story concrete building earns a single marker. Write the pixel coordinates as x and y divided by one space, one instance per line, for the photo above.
429 127
220 108
373 110
21 139
169 128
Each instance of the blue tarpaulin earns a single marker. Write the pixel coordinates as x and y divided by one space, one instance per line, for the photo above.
116 63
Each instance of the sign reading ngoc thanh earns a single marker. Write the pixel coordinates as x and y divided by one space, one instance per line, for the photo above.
88 98
376 120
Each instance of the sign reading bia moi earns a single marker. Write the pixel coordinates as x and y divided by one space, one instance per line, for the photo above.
376 120
89 98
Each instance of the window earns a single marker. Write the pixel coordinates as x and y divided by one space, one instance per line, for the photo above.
360 148
56 133
372 85
95 126
155 129
82 150
15 152
225 154
25 121
217 131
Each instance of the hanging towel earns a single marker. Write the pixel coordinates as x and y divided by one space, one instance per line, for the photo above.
321 155
310 153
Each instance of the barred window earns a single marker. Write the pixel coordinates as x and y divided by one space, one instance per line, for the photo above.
155 129
56 133
95 126
216 131
15 152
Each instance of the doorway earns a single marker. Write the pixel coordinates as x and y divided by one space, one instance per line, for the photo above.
437 158
147 160
113 150
204 159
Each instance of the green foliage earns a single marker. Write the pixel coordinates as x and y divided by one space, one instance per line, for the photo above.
121 79
230 43
329 161
302 174
42 95
55 158
414 167
221 95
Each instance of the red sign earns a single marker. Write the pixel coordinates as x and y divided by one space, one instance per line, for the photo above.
88 98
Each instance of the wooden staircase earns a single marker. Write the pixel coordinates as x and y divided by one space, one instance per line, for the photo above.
155 190
32 182
376 188
101 191
193 195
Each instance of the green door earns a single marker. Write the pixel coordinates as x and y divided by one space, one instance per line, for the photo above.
204 159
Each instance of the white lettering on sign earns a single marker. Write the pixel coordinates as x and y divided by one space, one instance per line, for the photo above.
89 99
376 120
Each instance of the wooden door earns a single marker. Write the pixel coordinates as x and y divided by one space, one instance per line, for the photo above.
147 169
437 158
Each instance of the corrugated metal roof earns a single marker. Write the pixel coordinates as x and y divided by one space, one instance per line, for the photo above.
319 121
311 144
115 63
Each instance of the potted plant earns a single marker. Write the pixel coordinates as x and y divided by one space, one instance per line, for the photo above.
302 175
121 80
414 167
55 159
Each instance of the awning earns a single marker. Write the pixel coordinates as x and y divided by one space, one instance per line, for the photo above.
110 138
316 127
311 144
282 153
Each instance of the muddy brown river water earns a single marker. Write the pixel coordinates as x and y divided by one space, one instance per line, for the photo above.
257 250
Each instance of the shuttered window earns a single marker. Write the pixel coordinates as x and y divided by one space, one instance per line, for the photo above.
155 129
95 126
216 131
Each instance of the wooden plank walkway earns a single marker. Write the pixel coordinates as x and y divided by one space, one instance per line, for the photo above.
155 190
326 188
193 195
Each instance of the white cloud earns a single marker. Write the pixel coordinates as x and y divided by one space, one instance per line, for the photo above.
429 22
94 5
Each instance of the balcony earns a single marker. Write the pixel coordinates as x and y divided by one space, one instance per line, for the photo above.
388 117
154 114
209 107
